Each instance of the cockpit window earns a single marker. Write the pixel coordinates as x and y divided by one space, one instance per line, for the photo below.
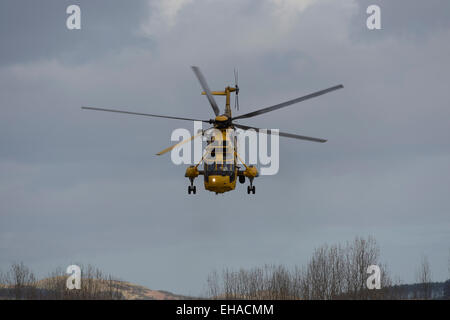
219 169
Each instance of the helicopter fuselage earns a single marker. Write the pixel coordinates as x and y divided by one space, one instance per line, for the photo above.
220 167
220 164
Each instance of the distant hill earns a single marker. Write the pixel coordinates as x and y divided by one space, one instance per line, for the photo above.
137 292
54 288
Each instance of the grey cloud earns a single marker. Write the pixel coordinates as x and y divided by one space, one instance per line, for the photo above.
36 30
86 186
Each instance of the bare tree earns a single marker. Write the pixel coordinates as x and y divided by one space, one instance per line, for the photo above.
423 277
333 272
338 272
21 281
448 263
359 255
323 276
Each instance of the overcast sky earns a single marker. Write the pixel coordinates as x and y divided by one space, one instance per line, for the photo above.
85 186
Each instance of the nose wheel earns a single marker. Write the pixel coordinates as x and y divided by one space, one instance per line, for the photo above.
192 189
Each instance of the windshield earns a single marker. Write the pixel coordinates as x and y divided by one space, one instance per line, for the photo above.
219 169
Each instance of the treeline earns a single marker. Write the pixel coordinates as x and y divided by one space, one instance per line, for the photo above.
333 272
19 282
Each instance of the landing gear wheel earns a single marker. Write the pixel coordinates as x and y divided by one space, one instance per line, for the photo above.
192 189
251 187
241 179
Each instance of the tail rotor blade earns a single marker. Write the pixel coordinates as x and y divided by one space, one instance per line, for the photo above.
236 99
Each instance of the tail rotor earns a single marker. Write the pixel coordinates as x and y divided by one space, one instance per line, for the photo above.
236 99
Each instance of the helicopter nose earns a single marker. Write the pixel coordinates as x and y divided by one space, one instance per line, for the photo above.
218 180
219 184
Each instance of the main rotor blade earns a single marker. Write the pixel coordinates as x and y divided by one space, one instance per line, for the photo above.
288 103
205 87
282 134
179 144
142 114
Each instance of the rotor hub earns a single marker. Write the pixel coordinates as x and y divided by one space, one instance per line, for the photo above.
221 119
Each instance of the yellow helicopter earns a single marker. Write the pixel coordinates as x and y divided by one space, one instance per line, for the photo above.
221 167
